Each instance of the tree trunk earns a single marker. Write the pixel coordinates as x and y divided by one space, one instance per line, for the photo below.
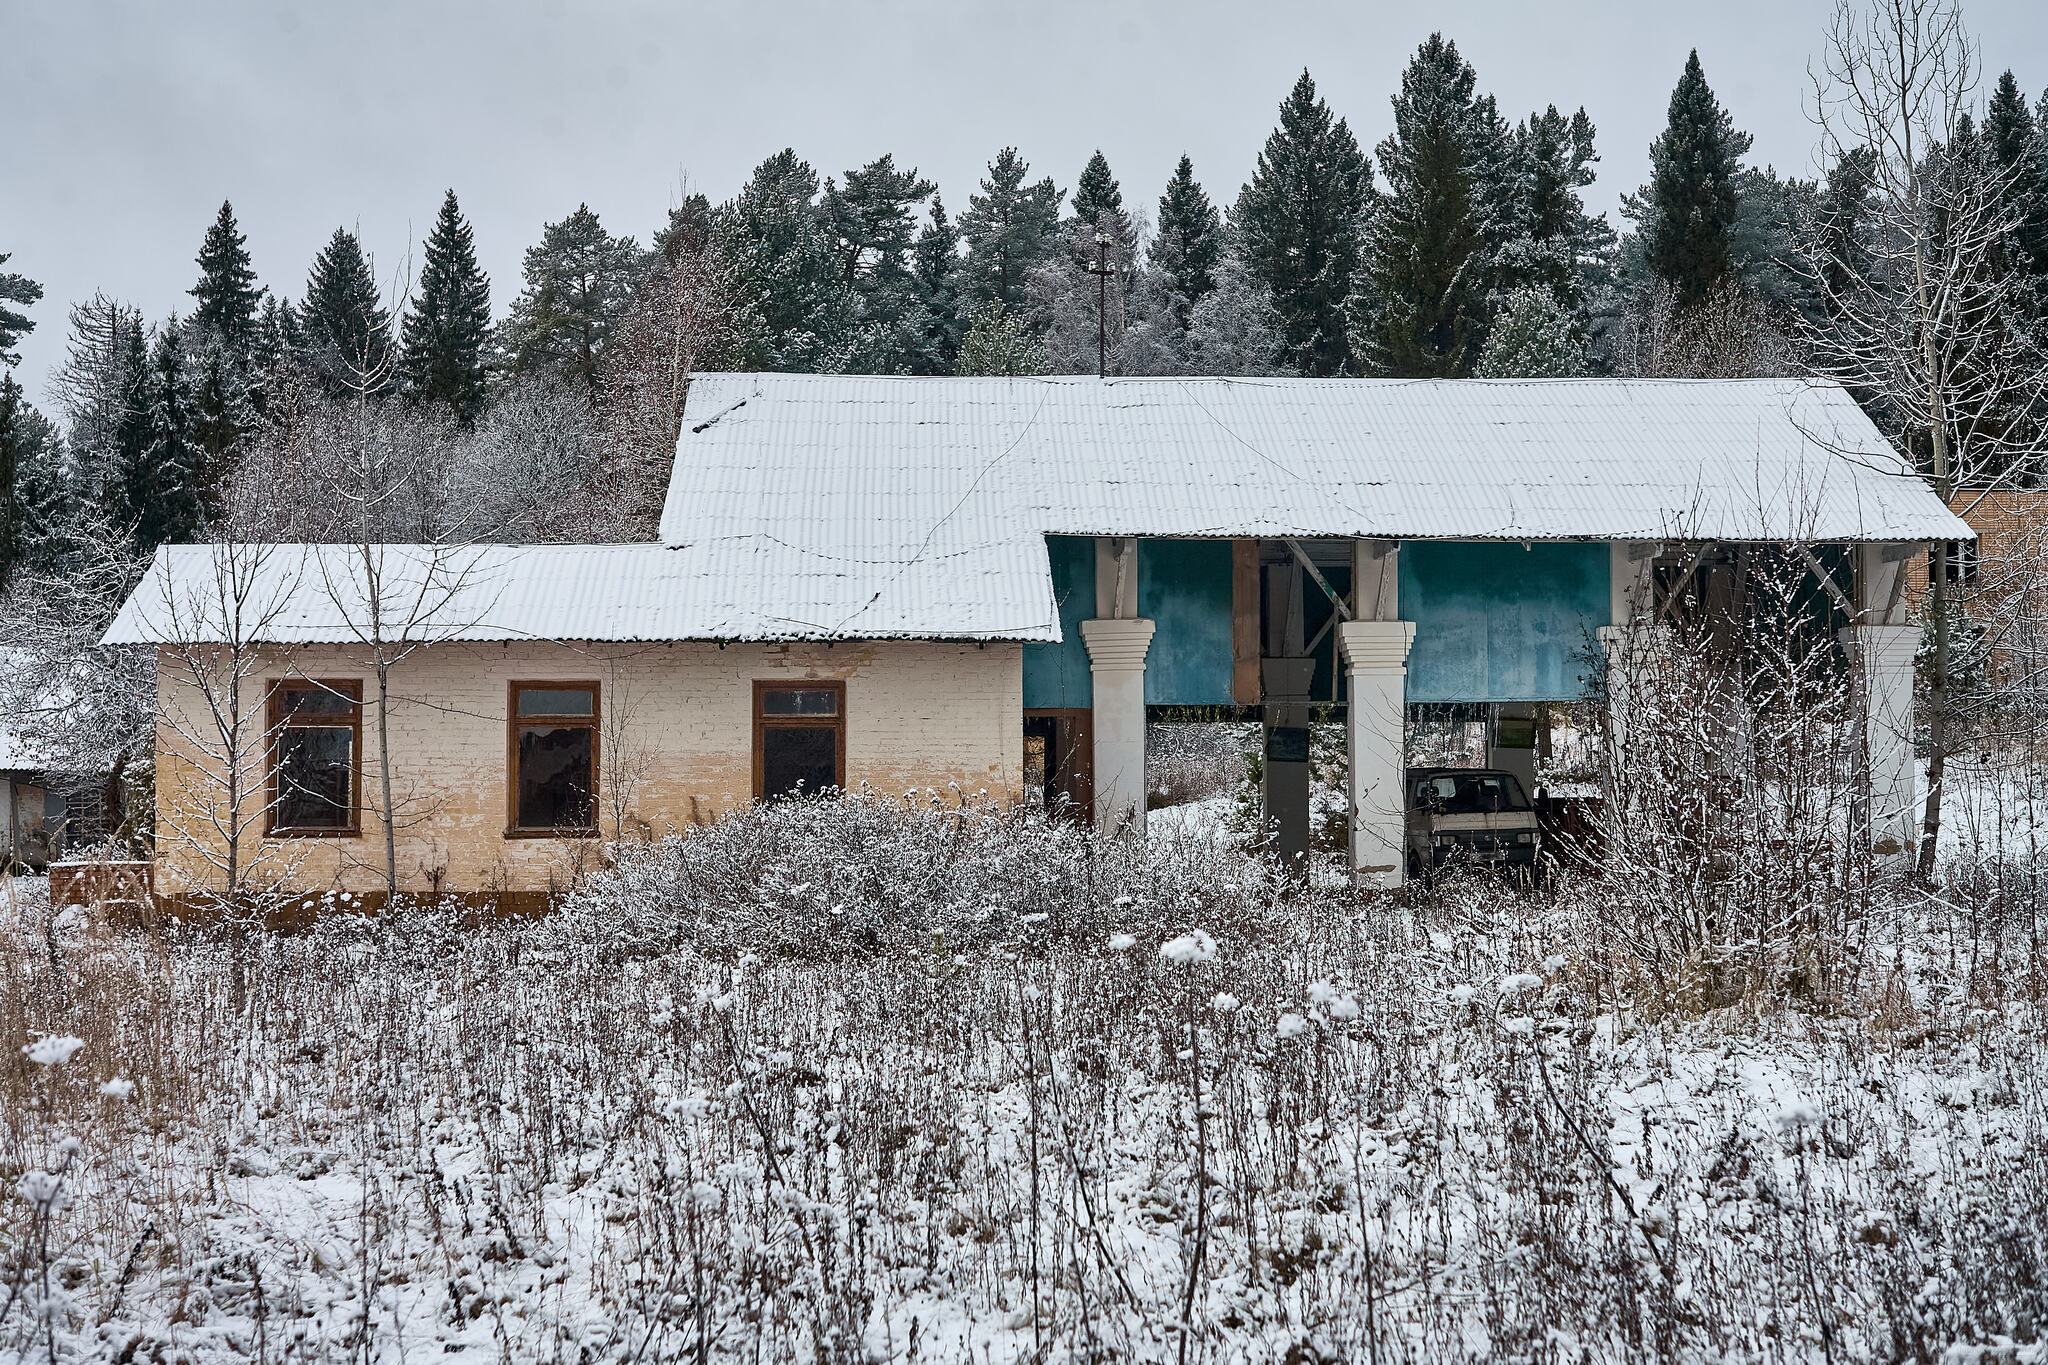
384 780
1937 709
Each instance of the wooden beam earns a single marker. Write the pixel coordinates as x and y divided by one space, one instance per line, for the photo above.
1244 622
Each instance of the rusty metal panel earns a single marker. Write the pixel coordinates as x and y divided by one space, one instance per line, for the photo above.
1244 622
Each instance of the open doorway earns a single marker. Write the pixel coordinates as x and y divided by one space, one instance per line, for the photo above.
1059 760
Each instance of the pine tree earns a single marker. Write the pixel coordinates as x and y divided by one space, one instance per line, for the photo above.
446 331
1300 221
1098 204
802 310
1421 308
935 265
999 342
1009 228
1533 336
173 476
13 325
227 292
873 222
579 285
348 331
1189 244
1688 210
46 508
1560 246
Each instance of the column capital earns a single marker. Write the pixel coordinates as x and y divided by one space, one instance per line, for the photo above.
1117 643
1376 646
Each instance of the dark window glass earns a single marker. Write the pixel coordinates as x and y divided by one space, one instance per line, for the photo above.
555 701
794 756
554 776
314 765
1476 794
317 701
800 701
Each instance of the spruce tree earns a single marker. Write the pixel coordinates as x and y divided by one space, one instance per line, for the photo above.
348 332
174 476
1688 211
1422 303
445 332
1098 204
221 416
13 416
124 489
773 234
579 285
15 325
227 292
1300 221
935 265
1189 244
1009 227
2018 146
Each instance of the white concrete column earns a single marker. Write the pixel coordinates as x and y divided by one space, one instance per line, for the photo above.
1116 658
1376 653
1881 658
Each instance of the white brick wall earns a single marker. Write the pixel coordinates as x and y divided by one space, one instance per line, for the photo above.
919 715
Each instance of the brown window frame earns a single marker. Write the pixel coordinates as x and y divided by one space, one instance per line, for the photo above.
277 723
837 722
514 721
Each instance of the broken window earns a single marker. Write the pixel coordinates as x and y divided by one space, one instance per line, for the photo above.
316 728
554 758
799 738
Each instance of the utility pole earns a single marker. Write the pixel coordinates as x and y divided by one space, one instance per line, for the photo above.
1101 270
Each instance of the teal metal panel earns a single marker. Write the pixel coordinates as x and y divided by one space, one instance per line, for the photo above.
1057 674
1497 622
1184 586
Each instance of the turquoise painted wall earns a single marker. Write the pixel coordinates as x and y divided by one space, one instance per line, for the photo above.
1184 585
1057 674
1496 622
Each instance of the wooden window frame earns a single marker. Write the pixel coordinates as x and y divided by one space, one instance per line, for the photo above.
514 721
762 687
351 688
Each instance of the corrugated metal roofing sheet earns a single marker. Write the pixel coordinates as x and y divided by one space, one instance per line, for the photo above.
1592 459
818 507
737 587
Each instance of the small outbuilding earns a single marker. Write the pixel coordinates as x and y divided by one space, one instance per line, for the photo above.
920 585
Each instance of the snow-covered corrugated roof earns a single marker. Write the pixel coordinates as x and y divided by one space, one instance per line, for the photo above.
740 587
868 465
819 507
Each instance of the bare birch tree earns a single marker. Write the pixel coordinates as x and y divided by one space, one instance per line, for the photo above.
682 320
214 634
1919 329
394 599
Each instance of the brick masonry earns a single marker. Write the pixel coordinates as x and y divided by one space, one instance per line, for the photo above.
675 750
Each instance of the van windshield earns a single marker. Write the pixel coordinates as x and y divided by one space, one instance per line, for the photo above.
1471 793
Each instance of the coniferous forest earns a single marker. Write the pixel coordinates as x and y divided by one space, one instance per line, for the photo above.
433 403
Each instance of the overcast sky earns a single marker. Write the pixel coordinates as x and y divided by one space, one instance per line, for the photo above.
126 124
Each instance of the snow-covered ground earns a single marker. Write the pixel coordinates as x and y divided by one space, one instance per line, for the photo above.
1312 1131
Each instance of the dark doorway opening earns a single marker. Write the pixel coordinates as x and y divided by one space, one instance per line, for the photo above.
1059 761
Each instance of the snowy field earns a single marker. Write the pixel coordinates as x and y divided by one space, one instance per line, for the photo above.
931 1087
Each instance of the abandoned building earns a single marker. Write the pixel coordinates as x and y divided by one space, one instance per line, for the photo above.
961 585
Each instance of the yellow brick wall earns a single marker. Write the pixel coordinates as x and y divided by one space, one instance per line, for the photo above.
675 749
